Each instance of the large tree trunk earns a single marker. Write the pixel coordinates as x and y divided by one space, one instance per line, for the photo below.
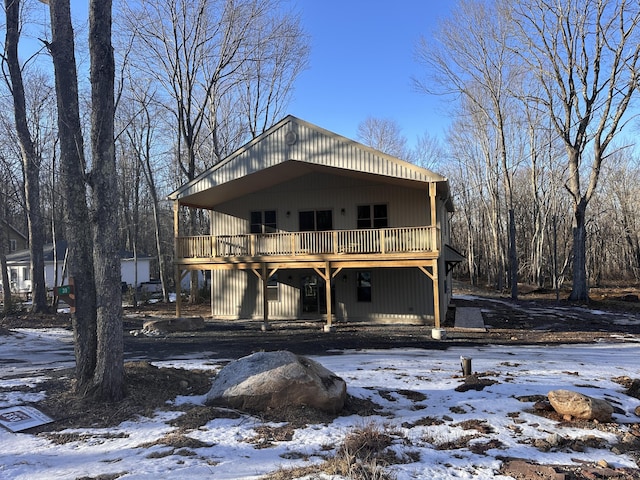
76 212
30 160
580 290
108 382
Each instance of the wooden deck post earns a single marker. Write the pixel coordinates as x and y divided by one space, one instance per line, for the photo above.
327 287
178 276
265 300
436 293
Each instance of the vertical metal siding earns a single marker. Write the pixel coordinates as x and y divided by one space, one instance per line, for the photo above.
313 145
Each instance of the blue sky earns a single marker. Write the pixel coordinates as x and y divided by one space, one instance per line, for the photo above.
362 62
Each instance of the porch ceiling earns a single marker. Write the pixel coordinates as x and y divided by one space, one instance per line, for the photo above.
276 175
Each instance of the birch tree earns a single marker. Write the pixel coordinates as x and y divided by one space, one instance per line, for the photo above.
584 56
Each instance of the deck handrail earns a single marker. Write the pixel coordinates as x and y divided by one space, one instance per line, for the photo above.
363 241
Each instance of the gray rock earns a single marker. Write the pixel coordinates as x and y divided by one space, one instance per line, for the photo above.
576 405
270 380
170 325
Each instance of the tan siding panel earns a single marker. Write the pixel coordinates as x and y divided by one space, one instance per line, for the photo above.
406 207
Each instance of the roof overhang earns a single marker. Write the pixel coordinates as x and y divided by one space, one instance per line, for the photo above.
284 172
452 257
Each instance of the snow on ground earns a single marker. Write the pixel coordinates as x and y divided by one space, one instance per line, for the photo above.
384 376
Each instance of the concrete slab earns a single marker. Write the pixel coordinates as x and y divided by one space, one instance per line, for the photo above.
470 319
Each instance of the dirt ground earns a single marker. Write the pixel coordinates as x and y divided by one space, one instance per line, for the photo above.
612 315
536 318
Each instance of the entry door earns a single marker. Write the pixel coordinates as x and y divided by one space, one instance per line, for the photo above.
314 295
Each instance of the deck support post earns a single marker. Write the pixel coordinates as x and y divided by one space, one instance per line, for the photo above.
178 278
327 279
436 294
433 275
265 300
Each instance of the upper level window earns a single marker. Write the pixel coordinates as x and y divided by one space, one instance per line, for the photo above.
13 245
263 221
315 220
372 216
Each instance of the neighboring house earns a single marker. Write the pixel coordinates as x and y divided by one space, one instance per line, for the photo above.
300 208
19 266
17 241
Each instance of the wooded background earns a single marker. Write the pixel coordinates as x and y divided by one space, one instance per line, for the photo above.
543 101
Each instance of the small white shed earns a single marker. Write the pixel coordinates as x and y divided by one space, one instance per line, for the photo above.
19 265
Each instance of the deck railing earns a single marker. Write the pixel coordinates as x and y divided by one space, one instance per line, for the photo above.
371 241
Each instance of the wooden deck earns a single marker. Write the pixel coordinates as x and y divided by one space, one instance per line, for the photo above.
334 245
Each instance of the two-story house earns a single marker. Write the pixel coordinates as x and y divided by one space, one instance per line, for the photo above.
306 223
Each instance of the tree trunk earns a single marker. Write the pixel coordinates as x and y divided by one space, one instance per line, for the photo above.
513 255
580 290
30 160
76 212
108 382
4 247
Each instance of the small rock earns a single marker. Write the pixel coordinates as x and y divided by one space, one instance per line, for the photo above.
554 439
634 389
577 405
542 445
603 463
170 325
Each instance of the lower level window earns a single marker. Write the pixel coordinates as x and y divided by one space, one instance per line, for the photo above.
273 288
364 286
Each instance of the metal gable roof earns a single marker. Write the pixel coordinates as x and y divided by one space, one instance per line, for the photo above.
291 148
24 256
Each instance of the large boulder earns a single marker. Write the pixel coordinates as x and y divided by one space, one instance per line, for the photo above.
270 380
572 404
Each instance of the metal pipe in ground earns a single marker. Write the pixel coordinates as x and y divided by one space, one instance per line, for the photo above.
465 363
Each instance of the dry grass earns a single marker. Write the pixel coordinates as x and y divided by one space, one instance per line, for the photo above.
148 389
365 454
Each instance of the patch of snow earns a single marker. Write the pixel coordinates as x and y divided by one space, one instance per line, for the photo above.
383 376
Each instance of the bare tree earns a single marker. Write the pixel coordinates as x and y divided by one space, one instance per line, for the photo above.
267 78
473 59
140 134
108 378
385 135
428 152
72 180
584 55
30 157
205 55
